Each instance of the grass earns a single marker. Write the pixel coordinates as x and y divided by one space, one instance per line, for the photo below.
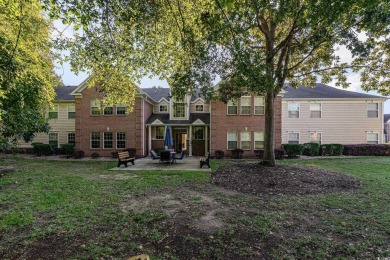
68 209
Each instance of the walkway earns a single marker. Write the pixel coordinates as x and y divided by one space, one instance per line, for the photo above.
188 164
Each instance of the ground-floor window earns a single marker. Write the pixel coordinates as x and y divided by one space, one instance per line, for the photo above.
315 137
53 140
232 140
245 140
159 134
293 138
120 140
372 138
108 140
199 132
95 140
259 140
72 138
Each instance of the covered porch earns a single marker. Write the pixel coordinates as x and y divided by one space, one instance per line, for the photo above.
192 136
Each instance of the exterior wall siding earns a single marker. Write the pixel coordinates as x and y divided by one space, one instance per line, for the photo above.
342 121
221 123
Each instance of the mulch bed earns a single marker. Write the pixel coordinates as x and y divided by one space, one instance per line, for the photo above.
254 178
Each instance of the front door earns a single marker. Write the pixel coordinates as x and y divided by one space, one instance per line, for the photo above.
180 138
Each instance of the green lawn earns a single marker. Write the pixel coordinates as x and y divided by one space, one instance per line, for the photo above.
73 209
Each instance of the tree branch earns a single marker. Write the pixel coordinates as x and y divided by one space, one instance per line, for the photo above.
17 41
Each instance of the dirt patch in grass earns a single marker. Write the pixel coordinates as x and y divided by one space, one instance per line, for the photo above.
253 178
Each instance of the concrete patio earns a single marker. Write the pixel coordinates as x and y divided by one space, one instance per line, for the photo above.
145 164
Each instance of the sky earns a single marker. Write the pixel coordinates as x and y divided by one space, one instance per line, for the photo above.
70 78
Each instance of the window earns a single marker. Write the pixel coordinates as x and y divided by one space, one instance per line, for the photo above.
232 107
315 137
179 110
120 109
293 110
108 140
121 140
372 138
245 140
71 112
95 140
372 110
53 140
259 140
108 111
53 112
232 140
160 132
315 110
259 106
163 108
245 105
95 106
198 132
199 108
293 138
72 138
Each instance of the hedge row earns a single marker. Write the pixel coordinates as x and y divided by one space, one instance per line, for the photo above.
367 150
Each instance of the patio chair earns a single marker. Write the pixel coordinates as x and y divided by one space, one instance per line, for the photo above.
153 156
165 156
179 156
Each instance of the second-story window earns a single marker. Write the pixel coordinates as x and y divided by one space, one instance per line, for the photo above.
53 112
293 110
232 107
95 106
120 109
315 110
71 112
245 105
199 108
372 110
108 111
179 110
259 105
163 108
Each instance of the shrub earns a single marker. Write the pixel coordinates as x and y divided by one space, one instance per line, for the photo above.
332 149
367 150
237 153
311 149
131 151
279 153
95 155
219 154
68 150
293 150
42 149
78 154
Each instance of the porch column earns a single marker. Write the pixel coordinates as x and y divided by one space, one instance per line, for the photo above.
149 138
190 142
206 140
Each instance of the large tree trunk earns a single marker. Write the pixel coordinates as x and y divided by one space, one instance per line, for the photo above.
269 154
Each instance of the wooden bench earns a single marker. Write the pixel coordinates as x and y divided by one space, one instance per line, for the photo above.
205 161
124 158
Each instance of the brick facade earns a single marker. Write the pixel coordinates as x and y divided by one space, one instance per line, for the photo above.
133 124
221 123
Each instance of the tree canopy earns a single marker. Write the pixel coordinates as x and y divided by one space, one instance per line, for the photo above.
27 78
252 45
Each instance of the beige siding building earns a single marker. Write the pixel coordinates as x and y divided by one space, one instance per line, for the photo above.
329 115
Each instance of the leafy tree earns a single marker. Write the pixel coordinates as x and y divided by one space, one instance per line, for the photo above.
27 79
252 45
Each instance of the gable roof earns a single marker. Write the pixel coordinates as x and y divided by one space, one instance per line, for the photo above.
386 118
164 118
158 93
324 91
63 92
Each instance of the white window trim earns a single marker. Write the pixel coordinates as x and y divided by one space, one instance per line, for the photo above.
100 107
104 113
254 140
100 140
162 105
299 110
254 105
174 106
227 140
250 104
288 135
58 137
67 136
250 140
315 132
377 106
154 137
56 110
116 140
235 104
372 132
112 140
116 110
199 110
315 110
67 107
